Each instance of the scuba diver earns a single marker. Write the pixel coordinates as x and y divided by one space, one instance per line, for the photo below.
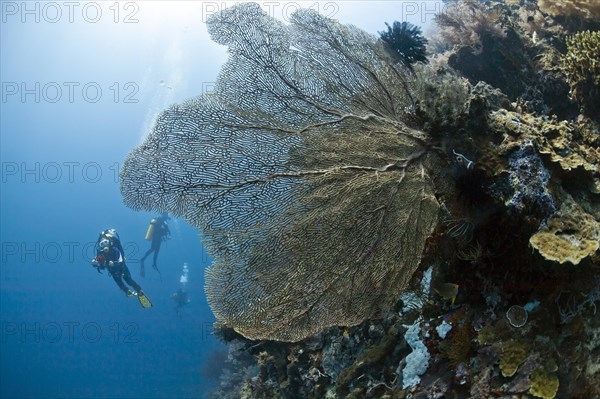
110 256
181 297
157 232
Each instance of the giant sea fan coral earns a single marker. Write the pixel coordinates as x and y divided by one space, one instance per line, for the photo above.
311 193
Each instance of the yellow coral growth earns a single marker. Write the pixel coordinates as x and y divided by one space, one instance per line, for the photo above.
512 357
581 8
569 158
544 384
568 237
569 144
486 335
581 66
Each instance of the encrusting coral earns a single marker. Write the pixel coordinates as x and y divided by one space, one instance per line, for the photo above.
544 383
512 355
581 8
567 143
569 236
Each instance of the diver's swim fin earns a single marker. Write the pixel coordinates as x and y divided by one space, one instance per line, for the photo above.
144 301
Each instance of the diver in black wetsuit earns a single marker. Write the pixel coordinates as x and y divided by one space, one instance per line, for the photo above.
160 231
110 256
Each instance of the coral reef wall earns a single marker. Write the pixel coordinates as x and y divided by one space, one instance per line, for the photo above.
390 225
504 301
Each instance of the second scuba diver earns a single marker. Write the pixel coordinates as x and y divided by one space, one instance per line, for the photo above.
157 232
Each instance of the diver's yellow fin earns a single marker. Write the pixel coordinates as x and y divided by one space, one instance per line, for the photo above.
144 301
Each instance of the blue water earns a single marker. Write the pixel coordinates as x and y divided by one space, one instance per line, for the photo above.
81 85
68 331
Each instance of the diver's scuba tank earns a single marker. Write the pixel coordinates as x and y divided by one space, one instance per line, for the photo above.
150 230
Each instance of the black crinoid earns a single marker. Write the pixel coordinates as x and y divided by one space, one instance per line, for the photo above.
405 43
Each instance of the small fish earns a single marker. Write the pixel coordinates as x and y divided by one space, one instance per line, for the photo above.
462 160
447 291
